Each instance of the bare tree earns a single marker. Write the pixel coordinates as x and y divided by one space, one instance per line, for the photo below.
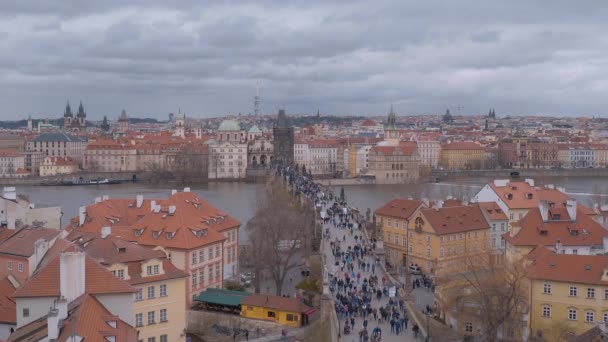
495 294
280 227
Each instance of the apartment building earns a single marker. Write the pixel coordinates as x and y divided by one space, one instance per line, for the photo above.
393 219
395 164
462 156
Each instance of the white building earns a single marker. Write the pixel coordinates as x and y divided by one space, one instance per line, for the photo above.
16 212
227 160
11 162
429 150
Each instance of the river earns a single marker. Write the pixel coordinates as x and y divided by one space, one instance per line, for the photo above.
238 199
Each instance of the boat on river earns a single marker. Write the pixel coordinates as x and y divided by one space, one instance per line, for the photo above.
82 181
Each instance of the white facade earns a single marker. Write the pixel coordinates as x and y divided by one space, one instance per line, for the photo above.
301 154
10 162
429 151
227 160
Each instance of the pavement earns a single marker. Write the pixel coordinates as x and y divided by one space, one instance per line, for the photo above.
387 336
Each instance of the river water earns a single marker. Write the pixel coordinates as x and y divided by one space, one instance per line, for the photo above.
238 199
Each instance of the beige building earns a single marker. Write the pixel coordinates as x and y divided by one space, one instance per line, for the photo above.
393 218
227 160
11 163
53 166
398 164
110 156
159 303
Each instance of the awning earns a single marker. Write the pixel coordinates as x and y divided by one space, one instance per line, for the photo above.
309 312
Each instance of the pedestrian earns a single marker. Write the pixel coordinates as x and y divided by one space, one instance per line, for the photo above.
415 329
247 334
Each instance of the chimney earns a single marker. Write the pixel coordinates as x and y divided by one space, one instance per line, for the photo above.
105 197
82 214
561 188
439 204
543 207
173 192
187 189
172 209
530 181
105 231
41 246
58 313
97 200
72 275
152 205
157 208
571 207
558 246
140 200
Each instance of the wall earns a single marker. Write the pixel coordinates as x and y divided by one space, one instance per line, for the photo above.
120 304
39 307
174 302
5 331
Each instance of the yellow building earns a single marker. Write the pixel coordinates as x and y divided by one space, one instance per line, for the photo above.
393 219
159 304
446 240
283 310
53 166
569 293
462 156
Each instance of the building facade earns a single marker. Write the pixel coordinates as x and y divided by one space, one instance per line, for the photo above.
462 156
393 219
395 164
283 140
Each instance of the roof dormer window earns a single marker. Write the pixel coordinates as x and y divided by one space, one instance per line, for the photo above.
170 235
138 232
509 196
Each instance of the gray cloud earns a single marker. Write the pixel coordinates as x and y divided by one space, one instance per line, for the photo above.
151 56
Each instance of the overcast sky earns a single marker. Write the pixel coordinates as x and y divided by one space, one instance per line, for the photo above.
151 57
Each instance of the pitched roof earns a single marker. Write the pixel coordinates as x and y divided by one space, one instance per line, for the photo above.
288 304
492 211
112 250
21 242
572 268
56 136
399 207
521 195
585 231
193 224
8 313
87 318
170 272
449 220
98 280
222 297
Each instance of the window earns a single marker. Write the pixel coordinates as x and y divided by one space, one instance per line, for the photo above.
397 240
163 338
389 222
511 216
546 311
139 295
20 267
210 256
217 271
396 223
292 318
428 238
163 315
210 273
404 241
201 255
156 269
151 293
193 277
590 293
149 270
575 251
573 291
26 312
605 316
194 261
151 317
547 288
468 327
428 252
139 320
163 290
9 265
606 294
572 314
151 339
589 317
120 274
441 252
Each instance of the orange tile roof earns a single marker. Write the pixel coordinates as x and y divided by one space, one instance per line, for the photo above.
288 304
21 242
87 318
142 225
399 207
520 195
571 268
533 231
98 280
111 249
8 313
493 211
455 219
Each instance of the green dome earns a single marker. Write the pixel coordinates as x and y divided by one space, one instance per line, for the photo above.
229 125
254 129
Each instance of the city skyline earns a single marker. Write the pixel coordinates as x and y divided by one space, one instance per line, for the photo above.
153 57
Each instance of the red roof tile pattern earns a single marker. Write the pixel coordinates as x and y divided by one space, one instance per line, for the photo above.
8 313
399 207
21 242
493 211
455 219
572 268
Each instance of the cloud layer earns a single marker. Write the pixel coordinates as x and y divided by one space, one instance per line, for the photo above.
344 57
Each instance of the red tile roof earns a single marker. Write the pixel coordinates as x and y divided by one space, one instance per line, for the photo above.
493 211
455 219
98 280
21 242
571 268
399 207
533 231
8 313
287 304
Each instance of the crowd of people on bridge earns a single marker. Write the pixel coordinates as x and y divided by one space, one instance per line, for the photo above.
357 289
